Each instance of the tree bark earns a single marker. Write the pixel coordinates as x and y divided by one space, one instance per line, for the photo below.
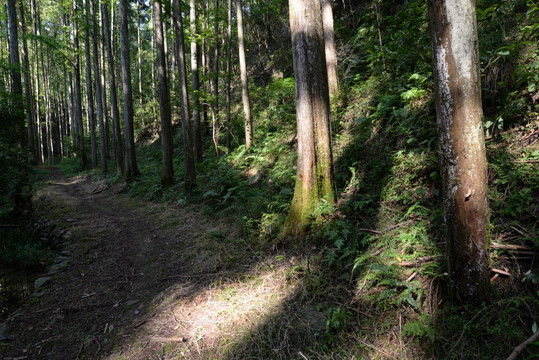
249 131
459 114
215 82
98 92
330 51
131 160
195 83
167 173
116 131
16 82
79 128
89 85
39 134
189 159
314 181
228 73
29 100
139 57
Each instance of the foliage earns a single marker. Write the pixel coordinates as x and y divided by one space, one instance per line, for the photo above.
21 247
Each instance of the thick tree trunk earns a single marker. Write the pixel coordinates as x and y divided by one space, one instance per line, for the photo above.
249 131
195 83
167 173
131 161
459 113
228 73
330 51
314 181
89 86
116 131
189 159
98 92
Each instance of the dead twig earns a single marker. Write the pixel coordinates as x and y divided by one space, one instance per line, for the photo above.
501 272
525 161
496 245
419 260
521 347
169 339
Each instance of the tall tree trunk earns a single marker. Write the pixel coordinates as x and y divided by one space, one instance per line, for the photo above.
89 87
16 82
228 73
77 91
116 130
131 161
48 107
189 159
167 173
459 114
98 90
195 83
314 181
103 81
331 53
249 131
29 100
215 81
139 57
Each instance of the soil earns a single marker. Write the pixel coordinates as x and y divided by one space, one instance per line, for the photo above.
143 280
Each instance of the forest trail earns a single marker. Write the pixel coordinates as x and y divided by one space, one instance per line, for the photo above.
143 281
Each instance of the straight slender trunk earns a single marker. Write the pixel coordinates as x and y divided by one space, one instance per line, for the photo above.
330 51
39 130
116 130
89 89
131 161
103 83
314 180
453 29
139 58
167 173
98 94
29 100
195 83
189 159
16 82
79 134
228 73
215 81
249 130
48 106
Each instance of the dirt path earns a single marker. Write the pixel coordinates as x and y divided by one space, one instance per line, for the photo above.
143 281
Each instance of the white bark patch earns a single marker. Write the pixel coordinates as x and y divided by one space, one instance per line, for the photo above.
459 14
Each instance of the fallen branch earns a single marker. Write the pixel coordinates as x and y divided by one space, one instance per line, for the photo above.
168 339
501 272
525 161
496 245
521 347
419 260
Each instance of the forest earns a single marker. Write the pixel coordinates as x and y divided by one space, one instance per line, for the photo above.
246 179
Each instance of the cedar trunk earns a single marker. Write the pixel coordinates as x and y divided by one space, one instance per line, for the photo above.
195 83
314 181
130 156
331 53
249 131
453 31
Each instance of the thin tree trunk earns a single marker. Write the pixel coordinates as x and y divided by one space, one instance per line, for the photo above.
77 93
167 173
139 57
215 81
103 81
16 82
249 130
89 89
98 94
195 83
228 73
131 160
329 41
314 180
29 100
459 114
48 106
116 131
39 129
189 159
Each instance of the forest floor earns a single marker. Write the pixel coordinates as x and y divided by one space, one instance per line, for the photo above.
146 281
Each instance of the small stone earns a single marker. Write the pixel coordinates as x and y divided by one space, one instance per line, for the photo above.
41 281
3 331
66 253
